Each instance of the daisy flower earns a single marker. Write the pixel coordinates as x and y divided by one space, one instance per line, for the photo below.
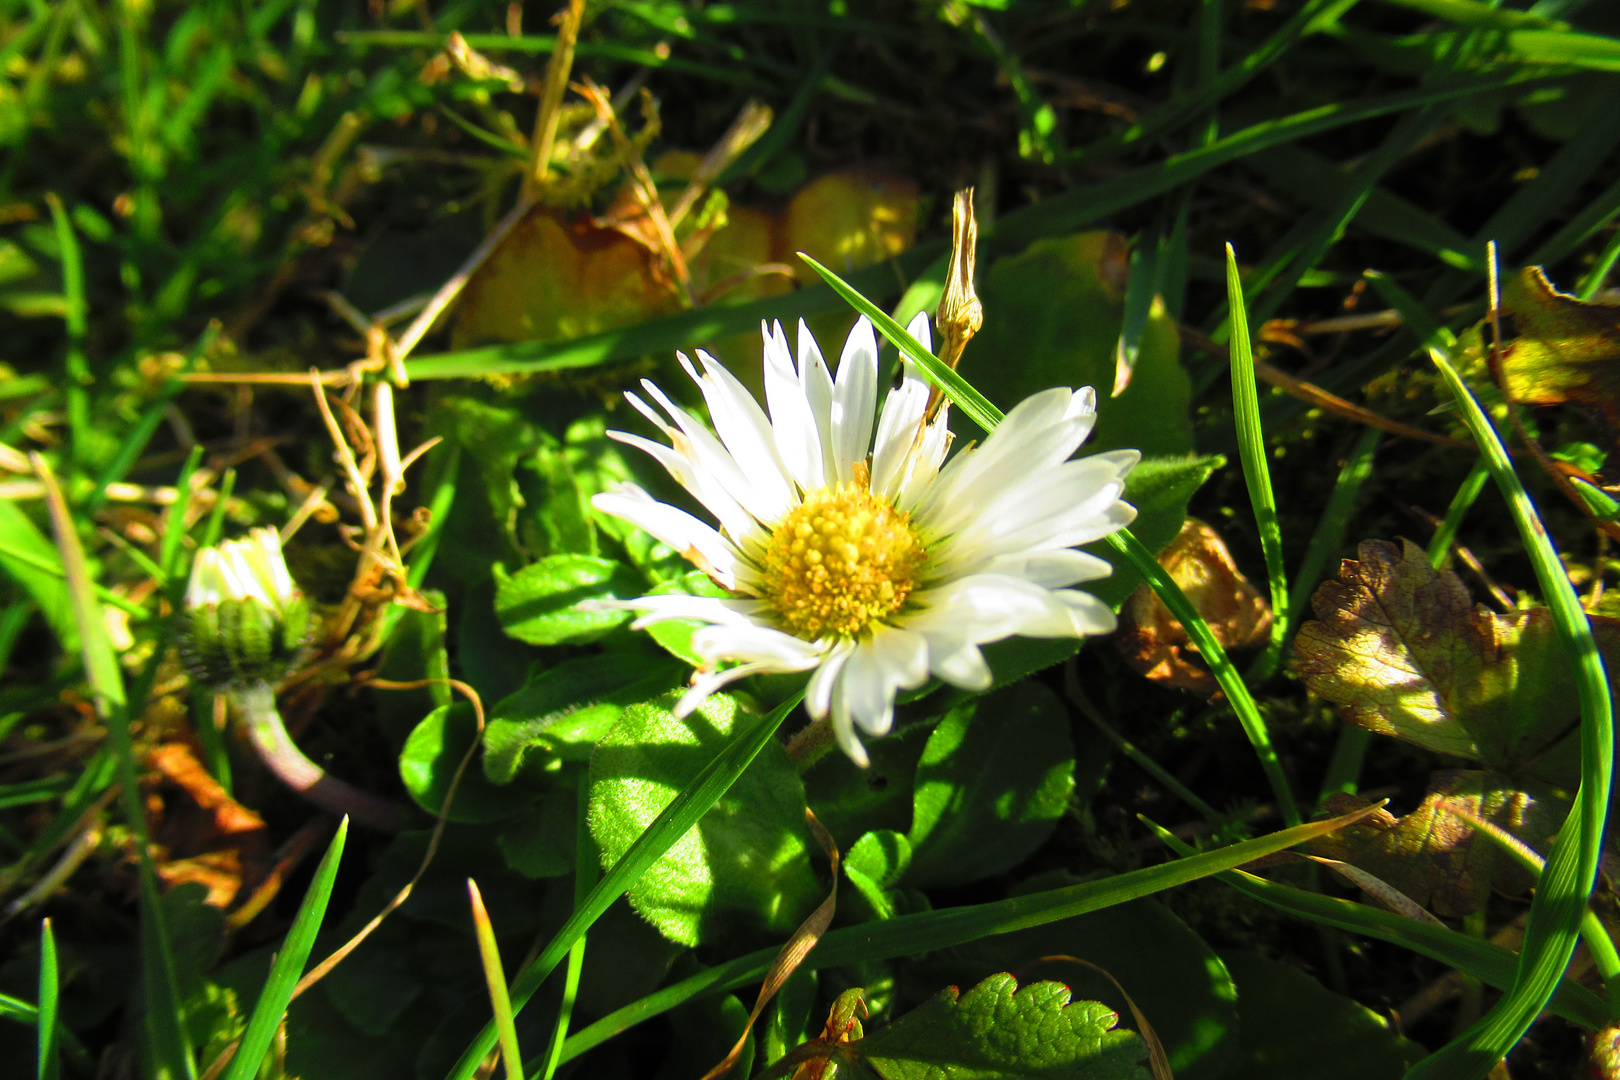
871 562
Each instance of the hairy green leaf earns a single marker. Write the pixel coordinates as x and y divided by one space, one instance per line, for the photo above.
550 602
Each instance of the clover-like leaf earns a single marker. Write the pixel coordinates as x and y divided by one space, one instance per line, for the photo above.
1437 858
1402 650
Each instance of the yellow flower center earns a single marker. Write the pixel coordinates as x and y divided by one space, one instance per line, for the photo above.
840 562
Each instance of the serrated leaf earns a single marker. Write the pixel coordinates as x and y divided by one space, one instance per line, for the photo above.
744 870
1402 650
1176 980
993 781
565 710
1438 859
999 1031
549 602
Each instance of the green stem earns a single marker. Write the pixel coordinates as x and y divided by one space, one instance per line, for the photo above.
1228 676
256 704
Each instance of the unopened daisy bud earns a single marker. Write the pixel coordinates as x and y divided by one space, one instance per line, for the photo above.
246 621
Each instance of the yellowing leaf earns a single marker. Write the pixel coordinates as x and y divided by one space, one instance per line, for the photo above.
1437 858
1566 349
1402 650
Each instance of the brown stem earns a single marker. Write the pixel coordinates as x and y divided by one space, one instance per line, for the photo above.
811 744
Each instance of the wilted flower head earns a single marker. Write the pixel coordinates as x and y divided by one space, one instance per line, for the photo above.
245 620
872 563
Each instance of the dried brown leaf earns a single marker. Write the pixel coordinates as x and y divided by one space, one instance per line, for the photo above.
1565 349
1152 640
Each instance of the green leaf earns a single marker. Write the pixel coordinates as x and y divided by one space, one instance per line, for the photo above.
999 1031
993 781
431 757
1177 981
1293 1026
875 865
851 801
562 712
745 869
547 603
539 842
415 651
496 438
1052 317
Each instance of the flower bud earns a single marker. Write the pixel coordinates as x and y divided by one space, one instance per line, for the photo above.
245 620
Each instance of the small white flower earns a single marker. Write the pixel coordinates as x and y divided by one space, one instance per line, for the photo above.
867 562
251 569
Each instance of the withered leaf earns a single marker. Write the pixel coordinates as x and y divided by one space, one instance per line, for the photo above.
1402 650
1565 349
1435 857
1154 642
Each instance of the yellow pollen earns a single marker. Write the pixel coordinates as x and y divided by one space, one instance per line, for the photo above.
839 563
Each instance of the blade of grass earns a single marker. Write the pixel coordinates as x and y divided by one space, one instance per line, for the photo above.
174 526
1330 532
163 1016
489 955
288 965
586 863
216 515
1598 276
1560 901
1141 286
76 385
32 562
50 1058
908 935
987 416
1467 492
674 822
1256 469
1489 963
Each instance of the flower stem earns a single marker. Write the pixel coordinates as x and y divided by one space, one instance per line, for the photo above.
811 744
256 704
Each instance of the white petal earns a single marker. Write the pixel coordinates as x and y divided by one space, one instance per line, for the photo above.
705 487
207 584
709 609
746 434
798 439
756 644
705 683
899 433
818 391
854 400
818 695
843 726
699 543
918 329
1051 569
880 665
1088 614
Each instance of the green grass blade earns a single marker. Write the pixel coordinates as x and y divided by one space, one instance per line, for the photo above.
1467 492
1141 286
908 935
163 1014
50 1063
1489 963
677 819
1591 51
76 385
489 955
289 965
1256 469
1595 278
1560 901
974 404
174 528
216 515
585 874
1580 228
1226 674
1330 532
1472 13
